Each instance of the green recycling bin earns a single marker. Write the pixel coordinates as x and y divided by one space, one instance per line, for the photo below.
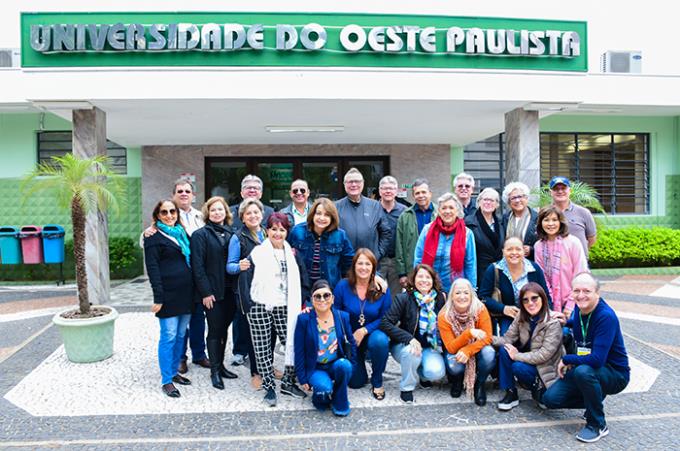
10 249
53 243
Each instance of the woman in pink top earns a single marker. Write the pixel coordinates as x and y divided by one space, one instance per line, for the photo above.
559 255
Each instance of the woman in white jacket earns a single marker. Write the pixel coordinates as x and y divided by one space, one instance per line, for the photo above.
272 294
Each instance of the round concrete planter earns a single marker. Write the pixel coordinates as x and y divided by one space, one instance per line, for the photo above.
87 340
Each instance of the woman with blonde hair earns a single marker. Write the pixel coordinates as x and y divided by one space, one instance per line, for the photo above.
465 327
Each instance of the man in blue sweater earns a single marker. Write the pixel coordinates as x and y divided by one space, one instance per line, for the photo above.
600 365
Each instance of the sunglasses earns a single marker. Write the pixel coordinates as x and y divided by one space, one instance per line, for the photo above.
182 191
298 191
322 296
464 186
172 211
532 299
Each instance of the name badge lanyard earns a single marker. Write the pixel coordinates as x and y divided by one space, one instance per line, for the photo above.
584 330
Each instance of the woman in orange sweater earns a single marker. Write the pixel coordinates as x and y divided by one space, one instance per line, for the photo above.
465 328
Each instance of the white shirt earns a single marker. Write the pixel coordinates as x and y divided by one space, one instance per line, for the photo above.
192 220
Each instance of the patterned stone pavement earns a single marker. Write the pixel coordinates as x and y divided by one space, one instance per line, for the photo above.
48 402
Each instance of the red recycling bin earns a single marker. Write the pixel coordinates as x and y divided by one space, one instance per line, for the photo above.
31 244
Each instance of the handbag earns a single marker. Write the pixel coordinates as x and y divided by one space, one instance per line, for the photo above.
496 293
346 345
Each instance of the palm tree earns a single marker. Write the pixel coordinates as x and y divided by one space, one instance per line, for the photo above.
581 194
81 185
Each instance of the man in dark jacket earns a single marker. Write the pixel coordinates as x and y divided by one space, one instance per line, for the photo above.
361 218
599 367
251 186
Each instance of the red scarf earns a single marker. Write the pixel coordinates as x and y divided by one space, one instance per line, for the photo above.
457 247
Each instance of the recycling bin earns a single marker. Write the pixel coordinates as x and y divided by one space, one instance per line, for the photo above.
10 249
31 244
53 243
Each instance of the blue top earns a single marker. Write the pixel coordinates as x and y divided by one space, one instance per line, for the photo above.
348 301
328 345
603 337
335 256
423 217
509 291
235 252
442 261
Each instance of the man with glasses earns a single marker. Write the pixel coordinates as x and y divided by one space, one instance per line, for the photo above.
251 187
362 218
464 186
299 207
599 367
392 209
580 219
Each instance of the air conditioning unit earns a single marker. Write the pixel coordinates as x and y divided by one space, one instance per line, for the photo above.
10 58
623 62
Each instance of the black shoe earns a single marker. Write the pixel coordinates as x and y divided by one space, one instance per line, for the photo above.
456 386
293 390
216 380
480 393
270 397
537 395
509 401
425 385
407 397
225 373
181 380
171 391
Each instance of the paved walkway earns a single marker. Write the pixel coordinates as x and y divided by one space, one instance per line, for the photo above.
46 398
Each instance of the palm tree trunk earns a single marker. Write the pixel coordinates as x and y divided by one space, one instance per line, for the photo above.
78 220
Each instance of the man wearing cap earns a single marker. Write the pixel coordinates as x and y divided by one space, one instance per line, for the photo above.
580 219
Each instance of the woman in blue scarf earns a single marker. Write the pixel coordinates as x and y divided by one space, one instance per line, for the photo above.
167 258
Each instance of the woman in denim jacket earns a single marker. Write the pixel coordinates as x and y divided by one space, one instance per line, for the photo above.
325 249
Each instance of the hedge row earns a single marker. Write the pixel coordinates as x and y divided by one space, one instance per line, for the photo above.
125 262
635 247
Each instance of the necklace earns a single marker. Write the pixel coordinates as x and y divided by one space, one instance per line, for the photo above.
362 318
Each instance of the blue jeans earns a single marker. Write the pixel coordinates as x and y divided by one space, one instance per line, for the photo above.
170 344
196 335
486 361
586 387
509 370
329 386
429 366
377 345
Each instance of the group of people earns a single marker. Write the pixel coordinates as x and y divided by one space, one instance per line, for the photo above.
453 291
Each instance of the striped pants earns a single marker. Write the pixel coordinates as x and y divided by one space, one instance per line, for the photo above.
261 322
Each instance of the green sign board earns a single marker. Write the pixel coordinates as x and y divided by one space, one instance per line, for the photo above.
301 40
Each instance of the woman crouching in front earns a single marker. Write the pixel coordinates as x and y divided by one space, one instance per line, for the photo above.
325 351
530 349
465 326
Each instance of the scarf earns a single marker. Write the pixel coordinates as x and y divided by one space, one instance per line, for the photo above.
516 228
457 246
427 320
264 283
552 257
460 322
493 235
180 235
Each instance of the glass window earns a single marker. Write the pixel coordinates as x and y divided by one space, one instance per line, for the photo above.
225 178
372 171
322 178
55 144
276 178
485 161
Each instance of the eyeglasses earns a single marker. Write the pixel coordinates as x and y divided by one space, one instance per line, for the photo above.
251 188
517 198
464 186
354 182
488 200
388 188
172 211
322 296
182 191
298 191
532 299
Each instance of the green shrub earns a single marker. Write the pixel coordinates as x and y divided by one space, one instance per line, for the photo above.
635 247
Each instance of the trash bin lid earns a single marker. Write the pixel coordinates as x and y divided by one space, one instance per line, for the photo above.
28 230
8 230
52 228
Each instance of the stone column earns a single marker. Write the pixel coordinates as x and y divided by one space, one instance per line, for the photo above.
89 140
522 147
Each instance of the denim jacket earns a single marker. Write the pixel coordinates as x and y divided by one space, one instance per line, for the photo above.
336 251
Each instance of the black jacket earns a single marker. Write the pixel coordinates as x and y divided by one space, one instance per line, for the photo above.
245 279
209 263
169 275
530 236
400 323
487 253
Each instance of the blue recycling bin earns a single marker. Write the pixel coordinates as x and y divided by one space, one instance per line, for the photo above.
53 243
10 249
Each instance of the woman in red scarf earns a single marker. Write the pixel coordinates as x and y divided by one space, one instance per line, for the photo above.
447 245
